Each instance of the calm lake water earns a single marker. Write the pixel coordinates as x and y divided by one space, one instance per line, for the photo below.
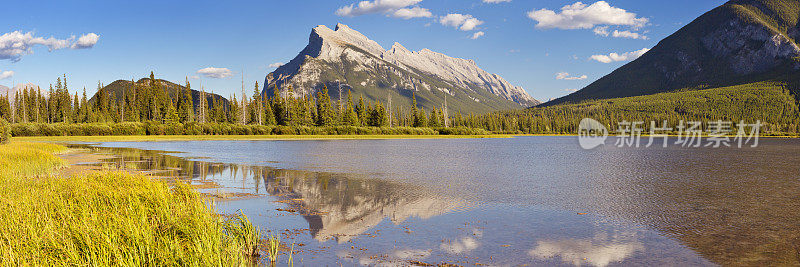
526 200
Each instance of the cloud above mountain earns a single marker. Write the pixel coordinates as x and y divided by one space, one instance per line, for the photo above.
464 22
603 31
582 16
404 9
14 45
496 1
566 76
615 57
6 74
216 73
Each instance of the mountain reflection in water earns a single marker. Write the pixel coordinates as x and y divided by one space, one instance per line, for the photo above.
527 200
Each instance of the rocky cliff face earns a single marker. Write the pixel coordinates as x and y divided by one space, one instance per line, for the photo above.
749 48
345 56
739 42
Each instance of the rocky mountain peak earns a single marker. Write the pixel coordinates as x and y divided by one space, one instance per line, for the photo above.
346 54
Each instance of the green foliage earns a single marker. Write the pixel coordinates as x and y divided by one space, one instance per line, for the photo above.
325 113
5 131
770 102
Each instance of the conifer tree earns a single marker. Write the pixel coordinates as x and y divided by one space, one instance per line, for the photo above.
279 107
349 117
258 106
269 115
325 112
361 111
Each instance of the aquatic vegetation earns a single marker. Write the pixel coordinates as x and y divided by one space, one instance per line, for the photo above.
108 218
273 247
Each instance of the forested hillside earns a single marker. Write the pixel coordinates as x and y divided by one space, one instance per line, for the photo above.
771 102
740 42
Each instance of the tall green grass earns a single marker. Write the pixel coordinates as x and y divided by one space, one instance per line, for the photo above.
109 218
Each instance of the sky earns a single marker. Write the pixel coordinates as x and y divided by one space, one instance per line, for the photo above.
549 47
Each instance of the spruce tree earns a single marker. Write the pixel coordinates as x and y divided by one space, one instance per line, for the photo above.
361 111
325 112
279 107
258 106
350 118
269 115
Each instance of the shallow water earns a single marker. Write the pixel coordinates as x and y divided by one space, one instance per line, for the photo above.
526 200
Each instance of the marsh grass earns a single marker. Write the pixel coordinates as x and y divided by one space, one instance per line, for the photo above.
109 218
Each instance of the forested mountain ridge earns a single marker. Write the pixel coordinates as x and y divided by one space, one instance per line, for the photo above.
742 41
120 88
345 56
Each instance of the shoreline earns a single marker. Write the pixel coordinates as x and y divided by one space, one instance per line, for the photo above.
166 138
163 138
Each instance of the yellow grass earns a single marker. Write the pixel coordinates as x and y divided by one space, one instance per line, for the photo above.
108 218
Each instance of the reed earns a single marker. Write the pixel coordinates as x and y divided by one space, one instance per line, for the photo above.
108 218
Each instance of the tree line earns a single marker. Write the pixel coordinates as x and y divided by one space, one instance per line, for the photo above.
153 102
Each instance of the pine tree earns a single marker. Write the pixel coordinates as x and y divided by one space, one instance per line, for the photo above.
325 112
279 108
269 115
185 105
361 111
350 118
258 106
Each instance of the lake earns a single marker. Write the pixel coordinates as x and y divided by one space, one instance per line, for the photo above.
525 200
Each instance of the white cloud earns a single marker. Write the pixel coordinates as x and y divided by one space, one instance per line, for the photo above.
461 21
14 45
194 77
581 16
477 35
410 13
585 251
275 65
86 41
566 76
216 73
602 30
411 253
466 244
6 74
570 90
628 34
496 1
393 8
614 57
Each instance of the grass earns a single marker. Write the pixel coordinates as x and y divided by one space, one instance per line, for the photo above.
108 218
143 138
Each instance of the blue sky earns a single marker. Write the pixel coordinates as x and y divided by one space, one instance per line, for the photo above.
177 38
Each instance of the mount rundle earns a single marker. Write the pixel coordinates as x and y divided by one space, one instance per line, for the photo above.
345 58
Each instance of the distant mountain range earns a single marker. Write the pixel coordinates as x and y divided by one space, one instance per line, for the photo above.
740 42
345 56
17 88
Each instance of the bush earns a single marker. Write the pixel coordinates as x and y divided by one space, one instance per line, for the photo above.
5 131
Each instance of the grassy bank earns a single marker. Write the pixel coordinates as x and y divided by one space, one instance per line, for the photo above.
107 218
142 138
